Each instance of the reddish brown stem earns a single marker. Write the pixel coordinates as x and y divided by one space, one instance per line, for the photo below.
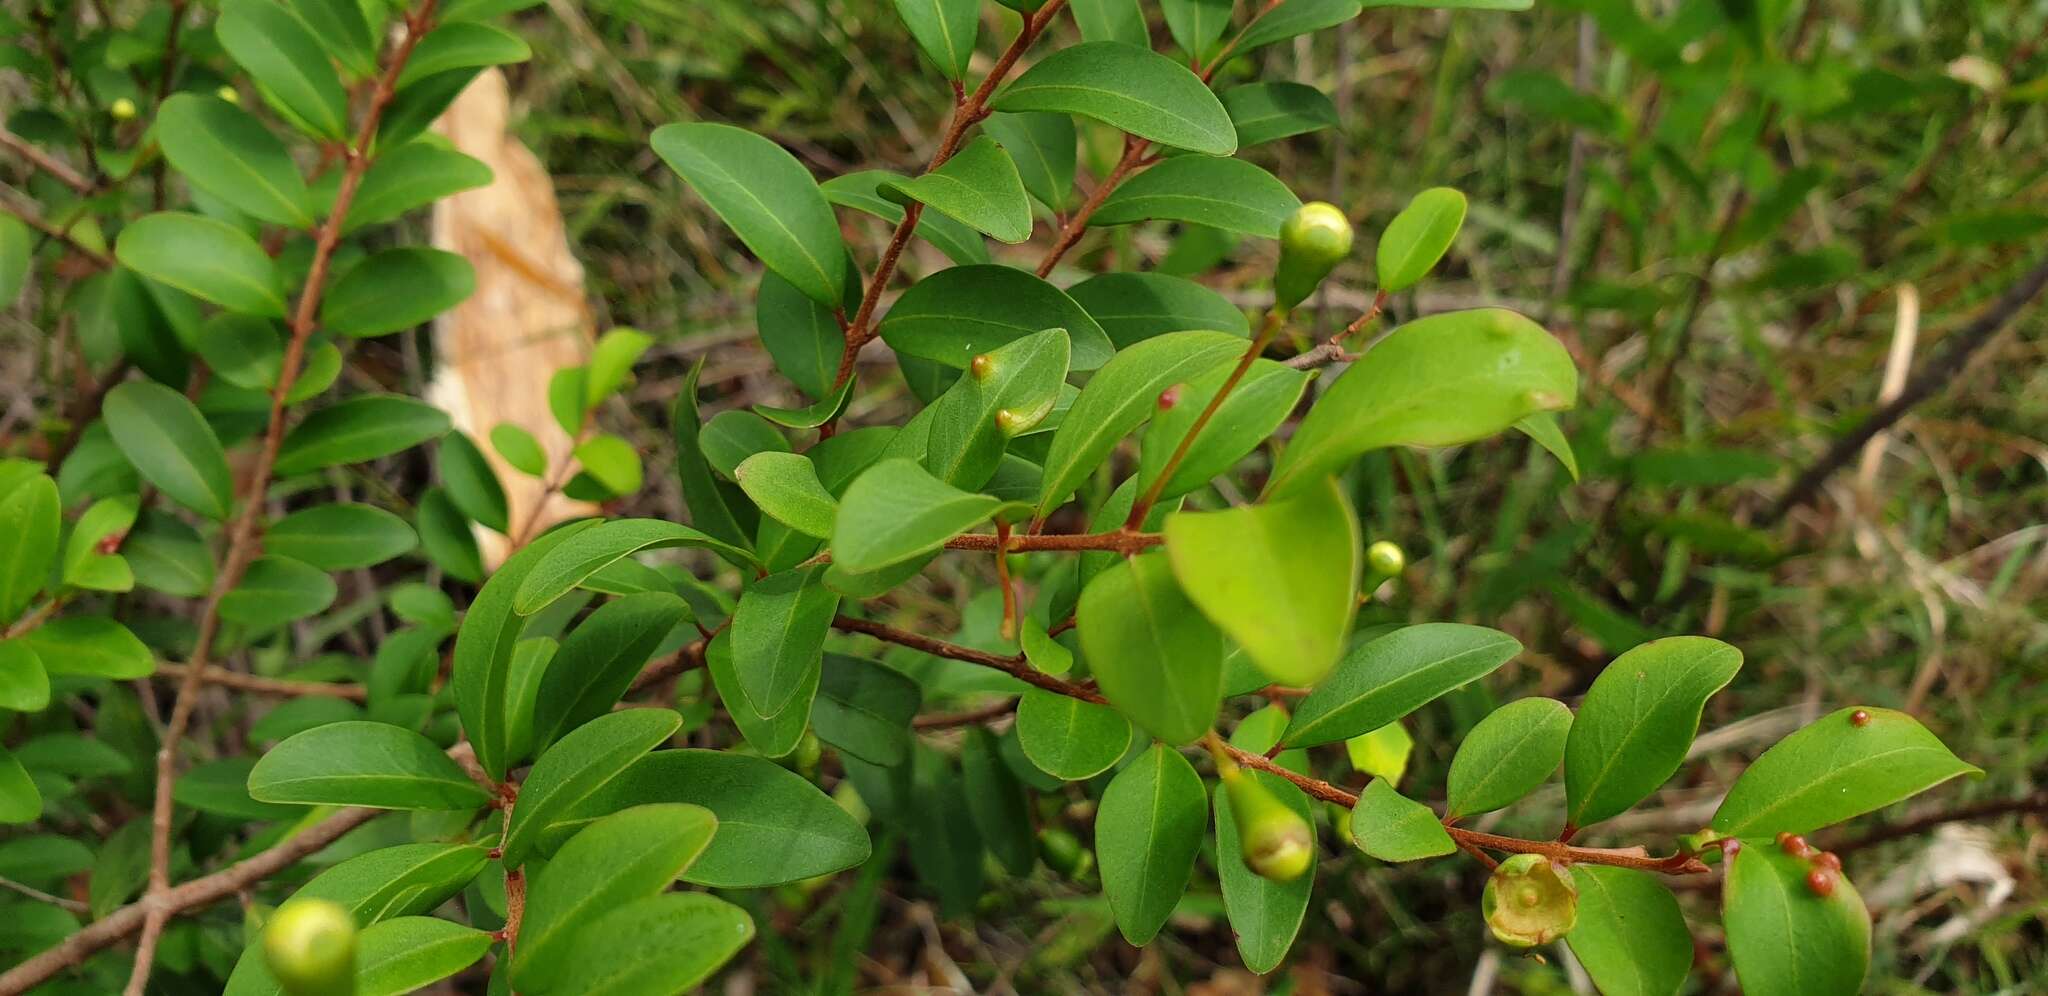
1016 667
47 163
968 717
1132 161
216 675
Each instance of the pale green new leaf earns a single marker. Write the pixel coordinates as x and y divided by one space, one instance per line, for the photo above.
897 511
1154 655
1120 398
786 488
1392 827
979 187
1631 936
1418 237
1513 750
1836 769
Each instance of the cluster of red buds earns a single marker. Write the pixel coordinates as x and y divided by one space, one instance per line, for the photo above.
1825 866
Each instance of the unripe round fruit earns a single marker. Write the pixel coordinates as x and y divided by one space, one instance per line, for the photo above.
1385 559
1530 900
1063 852
1277 843
229 94
1312 242
122 109
310 946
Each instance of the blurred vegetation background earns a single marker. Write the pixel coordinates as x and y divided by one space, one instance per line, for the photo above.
1724 207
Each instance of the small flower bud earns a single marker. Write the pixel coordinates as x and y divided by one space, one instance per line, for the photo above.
1530 900
1385 559
1828 860
1860 717
1820 882
229 94
1312 243
1795 845
122 109
1277 843
310 946
1170 397
982 367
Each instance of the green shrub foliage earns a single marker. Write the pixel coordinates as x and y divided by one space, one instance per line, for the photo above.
501 778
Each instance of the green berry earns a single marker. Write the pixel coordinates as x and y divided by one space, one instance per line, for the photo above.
1385 559
310 946
1312 243
122 109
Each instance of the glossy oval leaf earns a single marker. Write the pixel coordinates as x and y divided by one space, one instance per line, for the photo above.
786 488
578 765
1392 827
1068 738
1280 579
340 537
276 590
1266 915
284 55
1637 721
1440 381
32 517
957 314
363 764
979 187
865 710
1043 148
1255 408
1631 937
1155 656
90 645
1384 679
407 954
1120 398
1268 112
362 428
662 944
945 29
409 177
1783 937
170 444
778 638
594 549
1836 769
208 259
395 290
768 199
1516 748
897 511
1229 194
1132 307
1129 88
1148 829
1418 237
224 151
862 191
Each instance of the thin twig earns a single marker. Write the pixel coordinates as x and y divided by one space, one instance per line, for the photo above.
217 675
1130 162
1015 666
966 717
47 163
1988 809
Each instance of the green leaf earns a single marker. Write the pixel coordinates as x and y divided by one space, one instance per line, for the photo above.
518 447
1070 739
767 198
1268 112
718 508
611 363
1381 753
1008 392
1129 88
611 462
945 29
24 685
772 736
358 430
734 435
592 550
276 590
578 765
1120 398
1384 679
1543 428
1043 148
629 855
1266 915
778 638
1441 381
979 187
897 511
207 259
997 802
96 646
404 880
170 444
407 954
1631 937
862 191
1230 194
1197 25
801 335
1513 750
1637 722
1280 579
20 802
221 788
1148 829
412 176
460 45
446 537
286 59
786 487
773 826
864 709
599 659
1392 827
340 535
1786 939
395 290
471 483
661 944
1136 306
1157 659
1292 18
1834 770
227 153
1249 415
1418 237
340 26
363 764
948 853
956 314
480 672
1112 21
31 519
